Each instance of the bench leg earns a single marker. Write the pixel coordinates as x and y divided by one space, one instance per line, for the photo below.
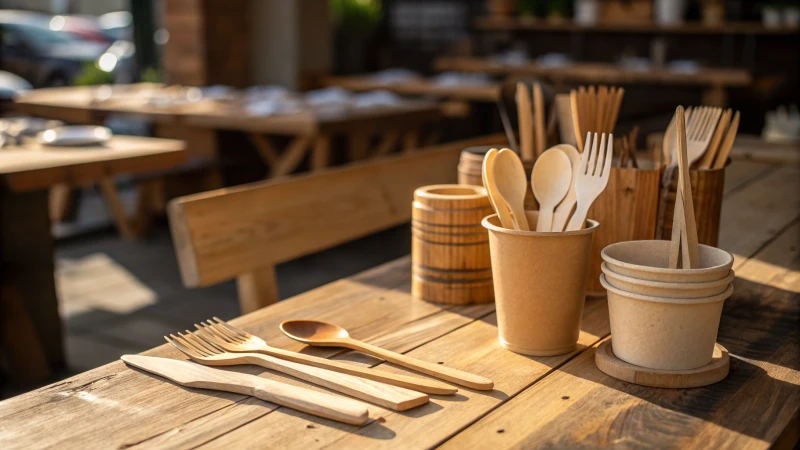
114 202
257 289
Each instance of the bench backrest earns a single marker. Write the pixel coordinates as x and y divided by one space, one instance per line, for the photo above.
242 232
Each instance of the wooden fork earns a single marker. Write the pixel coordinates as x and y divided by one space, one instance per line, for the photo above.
207 353
592 176
233 339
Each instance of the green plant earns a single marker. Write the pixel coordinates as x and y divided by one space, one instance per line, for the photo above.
356 17
151 75
91 75
558 8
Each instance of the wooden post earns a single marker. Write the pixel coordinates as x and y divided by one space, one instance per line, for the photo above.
26 251
257 289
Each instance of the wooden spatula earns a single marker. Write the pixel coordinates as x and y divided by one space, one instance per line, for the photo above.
525 122
684 247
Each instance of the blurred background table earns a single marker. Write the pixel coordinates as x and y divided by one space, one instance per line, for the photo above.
29 320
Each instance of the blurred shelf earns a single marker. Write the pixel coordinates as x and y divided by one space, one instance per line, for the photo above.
567 25
600 72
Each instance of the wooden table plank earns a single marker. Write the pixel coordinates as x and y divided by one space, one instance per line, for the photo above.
749 409
33 166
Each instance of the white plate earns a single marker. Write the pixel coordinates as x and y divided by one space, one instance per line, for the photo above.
74 135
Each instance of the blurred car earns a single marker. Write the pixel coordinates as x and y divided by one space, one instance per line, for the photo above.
81 26
30 49
11 86
117 25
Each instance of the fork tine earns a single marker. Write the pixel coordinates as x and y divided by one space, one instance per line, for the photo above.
587 150
701 127
609 156
209 342
601 156
712 124
233 329
592 157
226 335
189 345
182 348
208 334
198 343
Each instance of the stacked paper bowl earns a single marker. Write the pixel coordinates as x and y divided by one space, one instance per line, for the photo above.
664 318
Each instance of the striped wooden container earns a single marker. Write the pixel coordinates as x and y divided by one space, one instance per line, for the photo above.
450 249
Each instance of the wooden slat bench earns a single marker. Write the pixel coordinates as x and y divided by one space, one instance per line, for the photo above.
244 232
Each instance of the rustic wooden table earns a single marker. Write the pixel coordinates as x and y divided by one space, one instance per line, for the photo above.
556 402
30 328
198 123
714 82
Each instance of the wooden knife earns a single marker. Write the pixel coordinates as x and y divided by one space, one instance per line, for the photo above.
196 376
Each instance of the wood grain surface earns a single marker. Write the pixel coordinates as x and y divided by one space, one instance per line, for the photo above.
557 402
34 166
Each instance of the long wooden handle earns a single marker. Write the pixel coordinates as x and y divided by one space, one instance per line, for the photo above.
727 144
545 220
675 245
576 121
388 396
319 404
413 383
435 370
525 125
690 253
538 105
578 217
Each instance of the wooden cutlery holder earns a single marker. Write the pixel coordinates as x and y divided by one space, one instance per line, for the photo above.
708 187
627 210
450 248
470 167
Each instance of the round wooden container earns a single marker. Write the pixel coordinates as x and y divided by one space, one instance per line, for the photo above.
449 247
470 168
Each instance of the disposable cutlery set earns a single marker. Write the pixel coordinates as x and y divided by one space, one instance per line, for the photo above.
216 343
562 180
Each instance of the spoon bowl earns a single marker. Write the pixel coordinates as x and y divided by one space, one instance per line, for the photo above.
566 206
314 332
510 181
550 180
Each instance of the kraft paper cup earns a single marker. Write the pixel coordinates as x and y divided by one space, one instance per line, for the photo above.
649 260
539 286
668 290
663 333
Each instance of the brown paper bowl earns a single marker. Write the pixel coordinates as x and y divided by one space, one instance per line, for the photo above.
667 290
663 333
649 260
539 286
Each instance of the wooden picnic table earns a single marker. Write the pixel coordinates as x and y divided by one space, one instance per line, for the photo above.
538 402
713 81
198 123
30 328
488 92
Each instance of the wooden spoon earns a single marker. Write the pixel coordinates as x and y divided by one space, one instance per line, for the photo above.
313 332
499 205
510 180
550 180
565 207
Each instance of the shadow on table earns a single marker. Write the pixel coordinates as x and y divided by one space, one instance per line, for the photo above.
759 328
